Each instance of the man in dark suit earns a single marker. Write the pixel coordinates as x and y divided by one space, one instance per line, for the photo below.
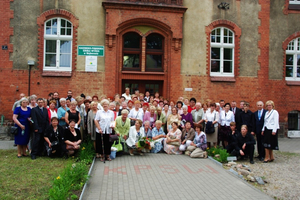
39 115
246 118
259 118
237 112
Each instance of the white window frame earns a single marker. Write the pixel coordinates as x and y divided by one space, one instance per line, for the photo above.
58 37
293 50
222 45
297 2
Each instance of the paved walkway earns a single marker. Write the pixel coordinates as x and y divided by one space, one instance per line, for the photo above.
162 176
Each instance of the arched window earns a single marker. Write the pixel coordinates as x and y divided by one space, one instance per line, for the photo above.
58 45
292 63
222 52
154 52
131 51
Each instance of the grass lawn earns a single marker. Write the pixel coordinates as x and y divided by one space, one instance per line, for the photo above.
23 178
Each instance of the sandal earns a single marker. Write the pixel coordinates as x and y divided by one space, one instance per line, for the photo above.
24 155
101 159
266 161
271 160
108 159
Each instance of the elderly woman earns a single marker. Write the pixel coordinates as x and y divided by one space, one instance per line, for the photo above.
161 116
122 128
91 127
21 118
54 139
72 138
96 99
147 128
117 108
135 132
32 101
173 140
104 122
73 114
179 105
173 117
187 137
130 105
270 131
61 112
226 116
127 94
151 116
211 118
198 146
158 136
186 117
52 111
136 113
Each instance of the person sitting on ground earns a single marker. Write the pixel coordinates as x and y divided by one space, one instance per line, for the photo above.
173 140
147 128
245 144
232 139
135 133
199 145
187 137
72 138
157 135
122 128
54 139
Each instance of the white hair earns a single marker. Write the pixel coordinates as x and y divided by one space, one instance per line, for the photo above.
260 102
184 107
104 101
62 99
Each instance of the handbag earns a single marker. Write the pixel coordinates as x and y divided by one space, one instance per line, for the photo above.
132 122
113 137
174 143
210 129
14 130
118 146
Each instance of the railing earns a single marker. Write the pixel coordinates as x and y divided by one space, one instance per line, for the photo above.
166 2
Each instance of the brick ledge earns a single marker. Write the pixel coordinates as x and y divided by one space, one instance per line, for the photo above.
292 82
222 79
57 73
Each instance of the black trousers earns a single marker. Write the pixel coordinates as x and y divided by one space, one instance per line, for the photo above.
37 144
106 143
260 147
248 151
60 149
230 147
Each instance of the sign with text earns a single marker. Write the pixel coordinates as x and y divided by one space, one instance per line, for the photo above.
84 50
91 63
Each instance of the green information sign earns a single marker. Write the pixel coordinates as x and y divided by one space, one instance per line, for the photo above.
90 50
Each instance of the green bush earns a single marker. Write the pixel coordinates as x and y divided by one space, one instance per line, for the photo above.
87 152
222 152
73 177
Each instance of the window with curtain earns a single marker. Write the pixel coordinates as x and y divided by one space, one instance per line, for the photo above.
58 45
292 61
222 52
131 51
154 52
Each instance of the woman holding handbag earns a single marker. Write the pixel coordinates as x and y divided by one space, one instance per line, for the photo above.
72 138
173 140
104 123
122 128
211 118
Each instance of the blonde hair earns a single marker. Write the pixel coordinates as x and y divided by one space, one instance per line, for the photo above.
158 122
244 126
270 102
78 98
73 103
152 108
94 103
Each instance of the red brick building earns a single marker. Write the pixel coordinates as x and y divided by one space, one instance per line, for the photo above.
237 50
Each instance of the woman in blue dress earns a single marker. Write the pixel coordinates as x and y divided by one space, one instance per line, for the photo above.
21 118
157 135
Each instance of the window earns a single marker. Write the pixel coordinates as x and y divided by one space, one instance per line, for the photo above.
154 52
294 120
294 1
58 45
222 52
131 51
292 63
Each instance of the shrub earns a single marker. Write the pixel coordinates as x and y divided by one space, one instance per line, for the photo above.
87 152
222 152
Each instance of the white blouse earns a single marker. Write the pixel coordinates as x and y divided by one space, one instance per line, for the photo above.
212 116
226 119
105 120
136 114
271 121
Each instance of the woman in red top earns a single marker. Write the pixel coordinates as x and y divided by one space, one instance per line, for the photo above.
52 111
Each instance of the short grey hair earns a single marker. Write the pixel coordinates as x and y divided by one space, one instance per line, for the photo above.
260 102
62 99
184 107
147 122
124 111
104 101
24 99
32 97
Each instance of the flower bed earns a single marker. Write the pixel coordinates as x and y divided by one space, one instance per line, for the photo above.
218 154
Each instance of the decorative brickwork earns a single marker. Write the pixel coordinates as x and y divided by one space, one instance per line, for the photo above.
41 22
237 31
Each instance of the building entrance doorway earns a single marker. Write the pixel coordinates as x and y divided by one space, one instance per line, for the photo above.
143 86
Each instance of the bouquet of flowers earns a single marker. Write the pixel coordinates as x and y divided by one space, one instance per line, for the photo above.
144 143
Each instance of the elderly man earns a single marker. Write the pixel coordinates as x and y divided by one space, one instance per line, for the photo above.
17 103
198 114
124 107
259 119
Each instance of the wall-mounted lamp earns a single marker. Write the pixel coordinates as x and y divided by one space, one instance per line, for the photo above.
30 64
223 5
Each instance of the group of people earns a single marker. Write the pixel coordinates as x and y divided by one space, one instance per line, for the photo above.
57 126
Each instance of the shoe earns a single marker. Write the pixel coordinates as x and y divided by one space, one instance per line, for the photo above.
271 160
141 154
131 154
251 162
24 155
261 159
257 157
19 156
33 157
265 161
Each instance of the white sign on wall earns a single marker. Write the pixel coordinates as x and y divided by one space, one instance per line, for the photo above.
188 89
91 63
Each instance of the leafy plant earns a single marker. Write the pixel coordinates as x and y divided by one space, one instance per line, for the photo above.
218 151
87 152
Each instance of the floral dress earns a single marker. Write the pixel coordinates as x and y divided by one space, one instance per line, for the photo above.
171 149
157 143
